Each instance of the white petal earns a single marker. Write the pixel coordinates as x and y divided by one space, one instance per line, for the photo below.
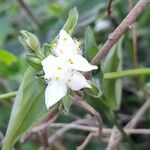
65 45
76 81
81 64
54 92
48 65
54 66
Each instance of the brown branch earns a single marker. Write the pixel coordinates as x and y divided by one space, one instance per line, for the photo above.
67 127
28 11
134 38
109 8
106 131
85 105
42 126
120 30
117 137
87 140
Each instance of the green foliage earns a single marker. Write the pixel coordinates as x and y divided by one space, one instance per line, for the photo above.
67 102
30 97
113 88
90 45
34 61
8 63
7 57
71 21
105 94
25 111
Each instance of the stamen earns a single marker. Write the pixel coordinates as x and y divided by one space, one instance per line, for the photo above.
70 61
59 68
69 80
57 78
61 51
65 39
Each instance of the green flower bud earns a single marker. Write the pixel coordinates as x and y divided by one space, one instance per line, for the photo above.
47 49
29 41
33 61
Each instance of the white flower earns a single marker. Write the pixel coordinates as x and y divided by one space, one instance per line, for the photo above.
69 49
60 77
61 70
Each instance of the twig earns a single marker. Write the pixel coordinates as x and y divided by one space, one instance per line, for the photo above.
109 8
58 145
87 140
85 105
67 127
107 131
139 114
119 31
42 126
33 19
130 125
134 38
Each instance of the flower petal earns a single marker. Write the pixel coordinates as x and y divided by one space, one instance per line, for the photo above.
54 66
48 65
76 81
81 64
66 45
54 92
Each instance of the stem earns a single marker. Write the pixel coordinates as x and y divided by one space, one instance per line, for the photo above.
134 38
118 32
127 73
111 75
8 95
29 12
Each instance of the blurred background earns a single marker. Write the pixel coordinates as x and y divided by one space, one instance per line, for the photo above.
45 18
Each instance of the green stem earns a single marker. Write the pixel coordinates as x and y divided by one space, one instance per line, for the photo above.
111 75
8 95
127 73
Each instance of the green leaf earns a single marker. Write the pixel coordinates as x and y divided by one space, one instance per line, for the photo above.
8 63
47 49
113 88
67 102
69 25
93 91
28 109
91 48
96 83
71 21
7 57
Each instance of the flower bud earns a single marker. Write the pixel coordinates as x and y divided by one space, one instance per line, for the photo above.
30 41
33 61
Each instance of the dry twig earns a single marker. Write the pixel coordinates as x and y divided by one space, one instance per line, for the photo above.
28 11
85 105
117 137
67 127
118 32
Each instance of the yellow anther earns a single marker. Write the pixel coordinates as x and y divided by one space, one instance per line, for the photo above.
57 78
65 39
77 43
70 61
59 68
69 80
78 49
54 45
